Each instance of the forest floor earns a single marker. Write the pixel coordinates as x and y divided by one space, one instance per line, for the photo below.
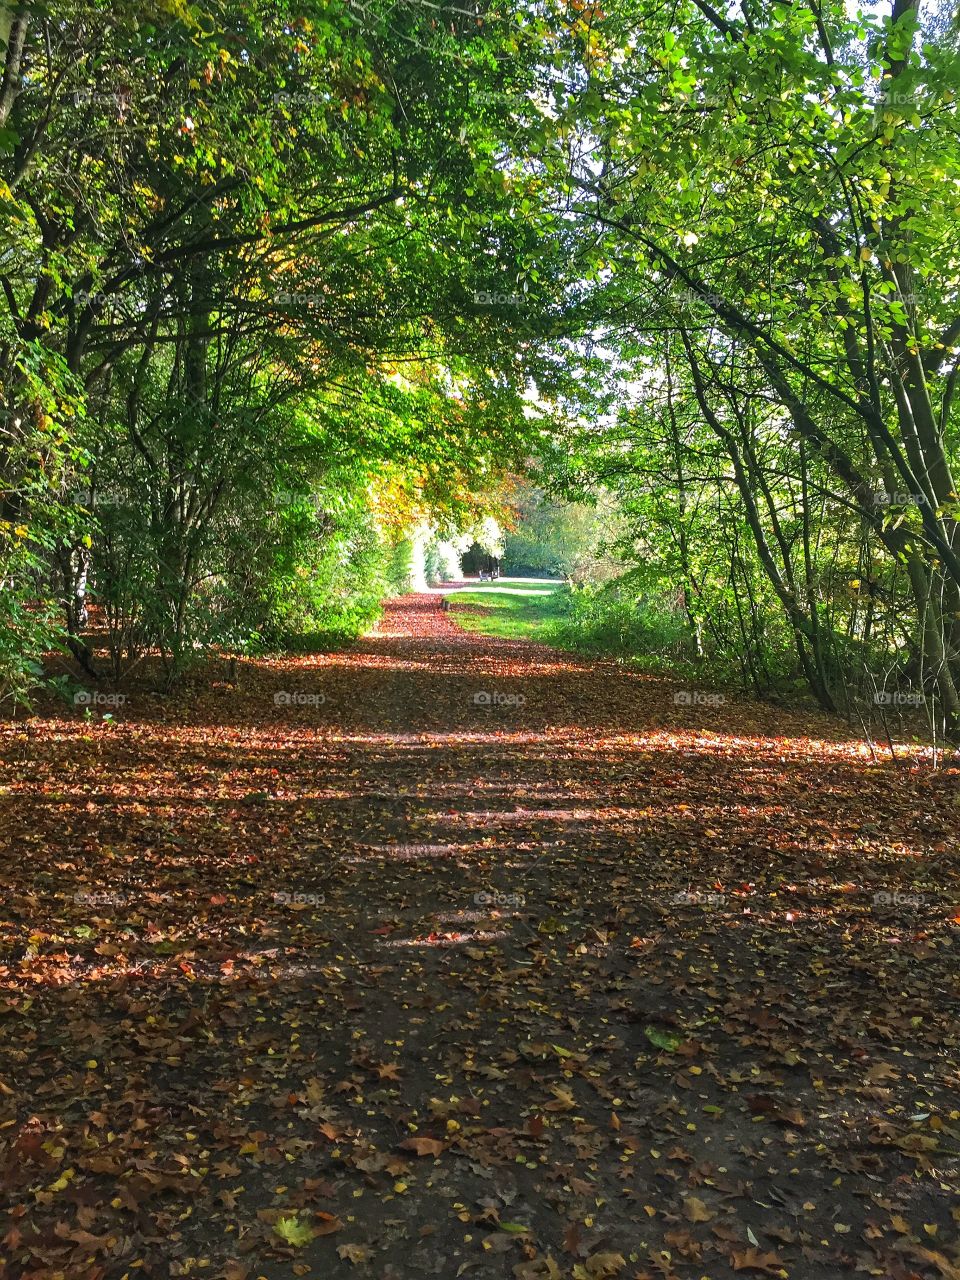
349 971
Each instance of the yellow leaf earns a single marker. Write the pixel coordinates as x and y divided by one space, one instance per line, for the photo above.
293 1231
695 1210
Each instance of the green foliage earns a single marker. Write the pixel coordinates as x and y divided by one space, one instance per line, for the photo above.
611 620
36 456
376 255
327 576
767 203
261 241
556 538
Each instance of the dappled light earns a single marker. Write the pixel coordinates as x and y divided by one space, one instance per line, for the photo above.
555 916
479 640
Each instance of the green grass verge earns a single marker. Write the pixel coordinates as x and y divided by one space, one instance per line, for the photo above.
513 608
593 622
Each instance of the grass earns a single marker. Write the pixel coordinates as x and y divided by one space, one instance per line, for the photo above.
590 622
513 608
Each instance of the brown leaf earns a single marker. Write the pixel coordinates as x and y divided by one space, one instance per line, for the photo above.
753 1260
696 1211
422 1146
600 1265
571 1240
761 1104
354 1253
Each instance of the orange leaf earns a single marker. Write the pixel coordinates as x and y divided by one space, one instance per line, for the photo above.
422 1146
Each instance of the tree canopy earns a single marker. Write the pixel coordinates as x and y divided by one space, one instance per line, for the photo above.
701 265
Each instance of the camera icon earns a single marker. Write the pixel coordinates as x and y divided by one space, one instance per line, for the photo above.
482 699
281 699
884 698
82 698
683 699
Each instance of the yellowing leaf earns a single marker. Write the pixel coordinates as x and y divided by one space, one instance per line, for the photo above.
695 1210
294 1231
353 1253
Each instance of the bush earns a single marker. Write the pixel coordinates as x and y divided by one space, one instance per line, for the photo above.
327 579
611 620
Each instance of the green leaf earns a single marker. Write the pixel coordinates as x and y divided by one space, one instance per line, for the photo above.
294 1231
663 1039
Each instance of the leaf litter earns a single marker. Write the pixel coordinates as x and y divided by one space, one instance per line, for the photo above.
406 984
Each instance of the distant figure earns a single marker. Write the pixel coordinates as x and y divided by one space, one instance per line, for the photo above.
483 576
445 604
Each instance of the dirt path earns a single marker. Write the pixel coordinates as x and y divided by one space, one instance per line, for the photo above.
564 980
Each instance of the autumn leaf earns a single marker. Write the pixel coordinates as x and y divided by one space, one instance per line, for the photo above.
563 1100
294 1231
423 1146
355 1253
599 1266
695 1210
752 1259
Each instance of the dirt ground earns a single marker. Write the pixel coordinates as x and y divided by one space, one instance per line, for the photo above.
447 955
